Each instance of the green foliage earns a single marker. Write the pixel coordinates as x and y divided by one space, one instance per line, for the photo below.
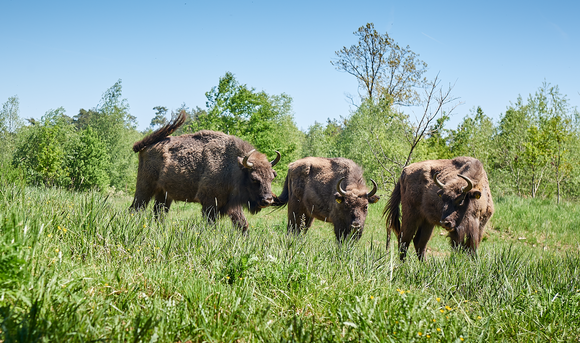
374 137
472 137
90 162
534 140
10 124
43 150
159 119
264 120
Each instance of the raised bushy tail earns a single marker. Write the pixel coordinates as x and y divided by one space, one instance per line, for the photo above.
282 200
161 133
393 212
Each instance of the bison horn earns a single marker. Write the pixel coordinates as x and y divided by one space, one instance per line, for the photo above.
436 180
245 162
469 184
277 159
374 189
339 188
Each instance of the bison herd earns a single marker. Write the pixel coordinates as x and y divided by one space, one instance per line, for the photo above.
225 174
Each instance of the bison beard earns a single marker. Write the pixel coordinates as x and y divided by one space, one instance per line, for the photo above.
328 189
453 194
222 172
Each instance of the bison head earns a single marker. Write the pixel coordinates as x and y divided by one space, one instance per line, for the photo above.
351 209
460 207
257 180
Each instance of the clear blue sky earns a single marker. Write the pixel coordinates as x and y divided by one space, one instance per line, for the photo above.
67 53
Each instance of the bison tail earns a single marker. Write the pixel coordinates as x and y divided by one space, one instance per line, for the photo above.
393 212
282 200
161 133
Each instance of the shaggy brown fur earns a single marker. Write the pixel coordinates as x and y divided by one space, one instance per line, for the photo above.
461 211
205 167
311 192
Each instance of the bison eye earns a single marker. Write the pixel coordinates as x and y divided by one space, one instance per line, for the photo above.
366 207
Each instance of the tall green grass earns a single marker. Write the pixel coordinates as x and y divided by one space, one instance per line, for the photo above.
81 267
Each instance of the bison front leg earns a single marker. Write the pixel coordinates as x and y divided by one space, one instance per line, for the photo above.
238 219
143 193
210 213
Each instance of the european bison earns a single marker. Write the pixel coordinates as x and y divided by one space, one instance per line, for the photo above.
222 172
453 194
329 189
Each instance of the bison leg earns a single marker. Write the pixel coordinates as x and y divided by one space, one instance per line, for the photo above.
143 193
238 219
421 238
298 218
210 213
162 204
409 228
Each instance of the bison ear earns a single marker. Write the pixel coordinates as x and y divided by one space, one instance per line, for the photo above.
339 198
374 199
476 194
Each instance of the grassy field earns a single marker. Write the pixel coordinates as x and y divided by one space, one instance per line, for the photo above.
80 267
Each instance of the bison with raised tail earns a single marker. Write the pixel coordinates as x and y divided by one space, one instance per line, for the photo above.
221 172
453 194
328 189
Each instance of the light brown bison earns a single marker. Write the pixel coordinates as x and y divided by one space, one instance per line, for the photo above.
221 172
328 189
453 194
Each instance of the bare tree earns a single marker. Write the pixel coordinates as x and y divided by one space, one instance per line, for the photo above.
436 99
382 67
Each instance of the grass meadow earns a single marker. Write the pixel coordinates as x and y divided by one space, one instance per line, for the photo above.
79 267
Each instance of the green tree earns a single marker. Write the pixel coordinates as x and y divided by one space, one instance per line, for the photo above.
382 67
473 136
159 119
90 162
437 141
374 136
264 120
10 123
116 127
43 150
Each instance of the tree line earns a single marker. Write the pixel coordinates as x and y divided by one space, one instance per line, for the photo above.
532 150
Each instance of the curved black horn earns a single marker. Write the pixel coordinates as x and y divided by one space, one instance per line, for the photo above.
436 180
469 184
374 189
276 160
245 162
339 188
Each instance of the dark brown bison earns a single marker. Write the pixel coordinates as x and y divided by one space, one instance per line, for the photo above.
221 172
329 189
453 194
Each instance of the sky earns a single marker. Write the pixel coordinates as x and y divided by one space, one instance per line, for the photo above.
68 53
